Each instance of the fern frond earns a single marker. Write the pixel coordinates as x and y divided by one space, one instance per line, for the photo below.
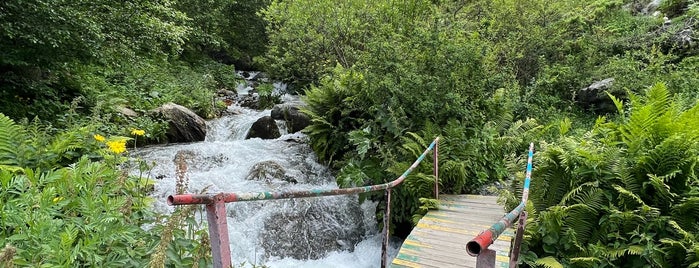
452 175
548 262
582 219
577 190
586 261
686 213
616 253
693 257
659 98
673 243
11 137
413 144
420 185
627 196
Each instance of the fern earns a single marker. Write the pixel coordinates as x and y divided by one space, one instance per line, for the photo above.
11 137
585 261
625 192
616 253
582 219
686 213
548 262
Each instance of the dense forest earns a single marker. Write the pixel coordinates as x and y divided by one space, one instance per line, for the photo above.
606 89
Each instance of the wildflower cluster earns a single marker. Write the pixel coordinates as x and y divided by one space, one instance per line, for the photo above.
117 144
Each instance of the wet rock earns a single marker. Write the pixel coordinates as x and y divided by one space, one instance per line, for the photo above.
258 76
127 112
313 228
264 128
266 171
643 7
595 98
251 100
183 124
291 114
686 38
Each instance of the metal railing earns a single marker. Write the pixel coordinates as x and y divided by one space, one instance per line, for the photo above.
478 246
216 207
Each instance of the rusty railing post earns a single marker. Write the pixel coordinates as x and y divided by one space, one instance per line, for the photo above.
514 255
218 232
479 244
386 232
436 168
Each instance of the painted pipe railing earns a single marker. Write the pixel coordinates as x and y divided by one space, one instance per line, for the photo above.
216 209
478 246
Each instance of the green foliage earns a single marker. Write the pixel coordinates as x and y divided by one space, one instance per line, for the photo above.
228 31
40 41
308 38
331 109
11 136
60 208
623 194
267 96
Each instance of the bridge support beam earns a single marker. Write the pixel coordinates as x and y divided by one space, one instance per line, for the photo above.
386 233
218 232
514 255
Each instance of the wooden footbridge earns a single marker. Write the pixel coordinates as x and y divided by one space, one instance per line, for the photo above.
459 234
439 239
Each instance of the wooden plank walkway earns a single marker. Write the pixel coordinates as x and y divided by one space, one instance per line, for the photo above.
439 239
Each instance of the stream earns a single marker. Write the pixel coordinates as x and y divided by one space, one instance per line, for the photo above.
334 231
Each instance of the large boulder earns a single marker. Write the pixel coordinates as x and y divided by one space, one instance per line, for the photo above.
595 98
291 114
183 124
313 228
264 128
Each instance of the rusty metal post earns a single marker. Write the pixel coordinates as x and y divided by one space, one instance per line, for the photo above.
218 232
486 259
514 254
386 232
436 168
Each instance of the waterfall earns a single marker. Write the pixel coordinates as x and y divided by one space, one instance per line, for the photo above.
312 232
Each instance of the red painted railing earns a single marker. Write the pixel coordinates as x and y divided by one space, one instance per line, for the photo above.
478 246
216 208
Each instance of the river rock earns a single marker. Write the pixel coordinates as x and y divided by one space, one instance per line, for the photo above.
250 100
595 98
686 38
264 128
291 114
268 171
313 228
183 124
127 112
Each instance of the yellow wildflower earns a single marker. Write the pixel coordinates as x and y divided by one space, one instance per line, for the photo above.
99 137
117 146
138 132
57 199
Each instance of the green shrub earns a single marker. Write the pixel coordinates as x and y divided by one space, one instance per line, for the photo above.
61 207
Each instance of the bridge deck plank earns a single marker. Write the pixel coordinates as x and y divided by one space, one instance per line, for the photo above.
439 239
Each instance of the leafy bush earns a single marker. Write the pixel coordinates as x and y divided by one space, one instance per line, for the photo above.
60 207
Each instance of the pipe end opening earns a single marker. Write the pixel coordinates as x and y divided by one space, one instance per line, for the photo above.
473 248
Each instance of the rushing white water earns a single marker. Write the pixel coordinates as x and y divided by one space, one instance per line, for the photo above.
311 232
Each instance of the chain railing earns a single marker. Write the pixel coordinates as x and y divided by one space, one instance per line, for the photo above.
216 207
478 246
